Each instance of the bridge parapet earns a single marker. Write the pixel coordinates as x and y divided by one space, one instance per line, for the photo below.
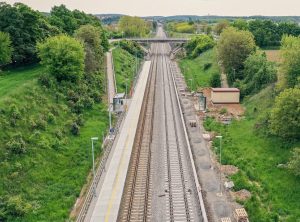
153 40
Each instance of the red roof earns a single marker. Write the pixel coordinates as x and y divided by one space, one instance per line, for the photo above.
225 90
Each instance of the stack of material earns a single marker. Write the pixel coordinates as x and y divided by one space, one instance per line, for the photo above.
241 215
225 219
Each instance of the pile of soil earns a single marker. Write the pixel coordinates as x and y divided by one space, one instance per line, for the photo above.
229 169
242 194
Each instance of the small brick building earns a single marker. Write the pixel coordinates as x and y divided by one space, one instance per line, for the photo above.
225 95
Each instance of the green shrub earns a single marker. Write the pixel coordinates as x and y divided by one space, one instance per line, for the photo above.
59 134
75 129
215 80
78 107
41 123
16 144
46 80
63 57
199 44
14 114
88 102
97 97
223 111
80 120
50 117
241 181
14 206
206 66
294 162
72 96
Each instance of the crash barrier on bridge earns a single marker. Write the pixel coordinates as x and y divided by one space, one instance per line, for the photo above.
153 40
101 168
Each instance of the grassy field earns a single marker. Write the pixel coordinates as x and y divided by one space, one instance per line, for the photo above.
275 191
125 68
14 81
195 69
43 183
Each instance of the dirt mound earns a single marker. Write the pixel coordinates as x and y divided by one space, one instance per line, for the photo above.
229 169
242 195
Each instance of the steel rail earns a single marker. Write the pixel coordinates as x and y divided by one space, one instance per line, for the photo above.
198 187
135 201
178 147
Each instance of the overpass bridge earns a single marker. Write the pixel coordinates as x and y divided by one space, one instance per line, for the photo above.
153 40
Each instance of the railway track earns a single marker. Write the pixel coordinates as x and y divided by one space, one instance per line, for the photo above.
179 204
137 194
169 185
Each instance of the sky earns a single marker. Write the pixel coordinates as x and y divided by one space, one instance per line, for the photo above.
174 7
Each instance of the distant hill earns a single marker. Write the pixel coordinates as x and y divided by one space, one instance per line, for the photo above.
113 18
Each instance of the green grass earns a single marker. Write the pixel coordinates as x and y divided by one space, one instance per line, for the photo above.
276 192
194 69
15 80
125 68
181 35
50 175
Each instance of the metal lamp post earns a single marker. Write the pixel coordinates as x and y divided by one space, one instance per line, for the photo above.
220 137
94 188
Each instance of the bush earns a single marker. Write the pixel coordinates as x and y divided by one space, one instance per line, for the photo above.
215 80
80 120
16 144
284 119
13 206
258 73
294 162
46 80
41 124
78 107
88 102
223 111
14 112
75 129
63 57
199 44
50 117
206 66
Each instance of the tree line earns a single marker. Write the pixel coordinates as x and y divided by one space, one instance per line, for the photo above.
26 27
247 67
134 26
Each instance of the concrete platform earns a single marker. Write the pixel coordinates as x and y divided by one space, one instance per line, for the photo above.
109 198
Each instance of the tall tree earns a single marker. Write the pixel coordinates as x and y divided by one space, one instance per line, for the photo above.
91 37
221 26
285 116
290 66
5 48
240 24
234 47
258 73
64 19
63 57
133 26
26 27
